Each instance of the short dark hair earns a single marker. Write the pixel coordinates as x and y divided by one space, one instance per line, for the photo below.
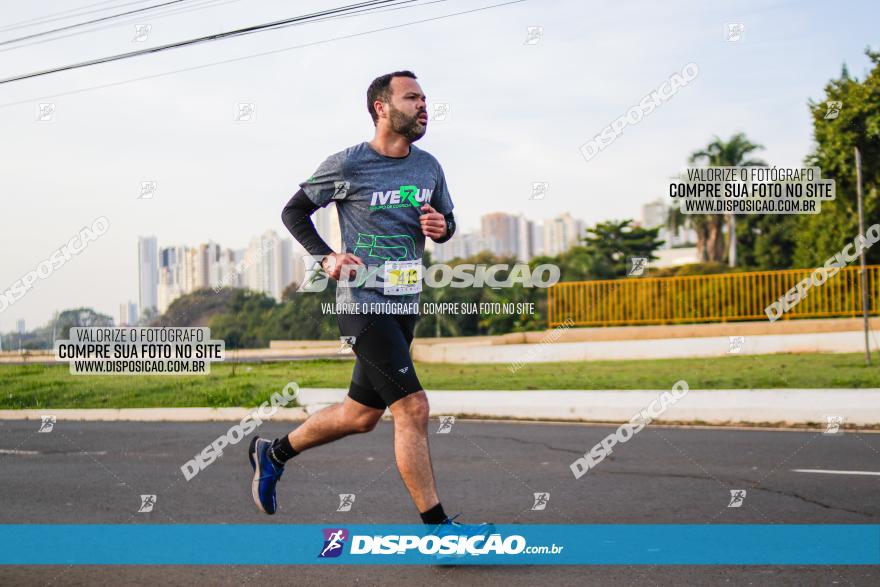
380 89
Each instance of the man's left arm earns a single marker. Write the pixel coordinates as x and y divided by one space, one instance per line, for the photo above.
437 219
440 227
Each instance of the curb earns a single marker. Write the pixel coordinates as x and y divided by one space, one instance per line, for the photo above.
860 407
781 407
151 414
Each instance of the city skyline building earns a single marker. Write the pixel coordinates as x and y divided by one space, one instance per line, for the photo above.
148 273
267 265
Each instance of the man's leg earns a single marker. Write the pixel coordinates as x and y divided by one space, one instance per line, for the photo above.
411 449
414 463
384 375
359 412
333 423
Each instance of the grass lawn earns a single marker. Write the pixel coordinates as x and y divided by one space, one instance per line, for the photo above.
52 386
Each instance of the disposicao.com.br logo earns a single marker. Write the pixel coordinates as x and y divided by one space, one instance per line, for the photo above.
335 539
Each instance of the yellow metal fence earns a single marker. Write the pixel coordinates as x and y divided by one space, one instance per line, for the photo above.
706 298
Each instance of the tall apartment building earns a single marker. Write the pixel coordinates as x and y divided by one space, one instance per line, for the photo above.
460 246
269 264
176 274
525 249
128 314
500 231
512 235
561 233
148 273
327 224
537 233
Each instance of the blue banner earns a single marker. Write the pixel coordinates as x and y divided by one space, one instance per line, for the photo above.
260 544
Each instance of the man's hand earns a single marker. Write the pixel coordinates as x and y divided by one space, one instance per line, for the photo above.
335 263
433 223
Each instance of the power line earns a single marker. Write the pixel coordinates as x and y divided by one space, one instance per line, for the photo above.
88 22
23 24
216 3
168 12
255 55
198 40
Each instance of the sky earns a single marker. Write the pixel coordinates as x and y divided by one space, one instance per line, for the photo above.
518 113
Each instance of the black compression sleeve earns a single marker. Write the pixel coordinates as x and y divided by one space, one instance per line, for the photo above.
450 224
296 216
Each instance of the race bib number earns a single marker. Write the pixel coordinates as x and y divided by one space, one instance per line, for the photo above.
402 277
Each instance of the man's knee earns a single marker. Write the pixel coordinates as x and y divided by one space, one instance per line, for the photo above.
366 422
413 408
361 418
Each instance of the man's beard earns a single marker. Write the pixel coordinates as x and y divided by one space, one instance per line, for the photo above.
409 127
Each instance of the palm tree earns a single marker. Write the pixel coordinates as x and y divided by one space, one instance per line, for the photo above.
732 153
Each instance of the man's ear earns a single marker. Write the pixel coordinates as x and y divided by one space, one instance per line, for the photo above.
379 106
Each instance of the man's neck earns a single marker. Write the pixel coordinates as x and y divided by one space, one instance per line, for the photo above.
390 144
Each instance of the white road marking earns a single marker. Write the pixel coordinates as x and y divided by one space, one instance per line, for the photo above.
833 472
15 451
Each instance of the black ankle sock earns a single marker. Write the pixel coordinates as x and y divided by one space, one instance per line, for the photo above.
435 515
280 452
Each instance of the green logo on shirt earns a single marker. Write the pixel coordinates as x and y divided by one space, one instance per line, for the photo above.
408 196
408 193
387 247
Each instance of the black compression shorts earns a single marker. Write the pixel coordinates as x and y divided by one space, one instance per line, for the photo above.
384 371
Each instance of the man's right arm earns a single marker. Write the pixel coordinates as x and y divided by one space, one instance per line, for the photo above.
296 216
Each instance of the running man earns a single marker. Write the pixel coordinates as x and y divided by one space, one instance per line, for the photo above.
389 195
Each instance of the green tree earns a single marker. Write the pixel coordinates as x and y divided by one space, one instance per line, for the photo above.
196 308
240 324
301 316
79 317
470 324
57 328
767 241
575 264
856 125
608 247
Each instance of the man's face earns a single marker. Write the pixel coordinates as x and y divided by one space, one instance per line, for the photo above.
408 111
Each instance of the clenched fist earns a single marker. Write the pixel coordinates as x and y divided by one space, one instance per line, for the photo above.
335 263
433 223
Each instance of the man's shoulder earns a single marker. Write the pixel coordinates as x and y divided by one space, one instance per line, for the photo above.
348 152
356 151
424 155
363 150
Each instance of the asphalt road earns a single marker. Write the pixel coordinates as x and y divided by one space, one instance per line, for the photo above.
96 472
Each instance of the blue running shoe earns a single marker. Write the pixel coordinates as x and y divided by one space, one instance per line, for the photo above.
266 475
449 527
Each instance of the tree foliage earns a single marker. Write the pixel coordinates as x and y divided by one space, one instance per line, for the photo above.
856 125
196 308
608 247
78 317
